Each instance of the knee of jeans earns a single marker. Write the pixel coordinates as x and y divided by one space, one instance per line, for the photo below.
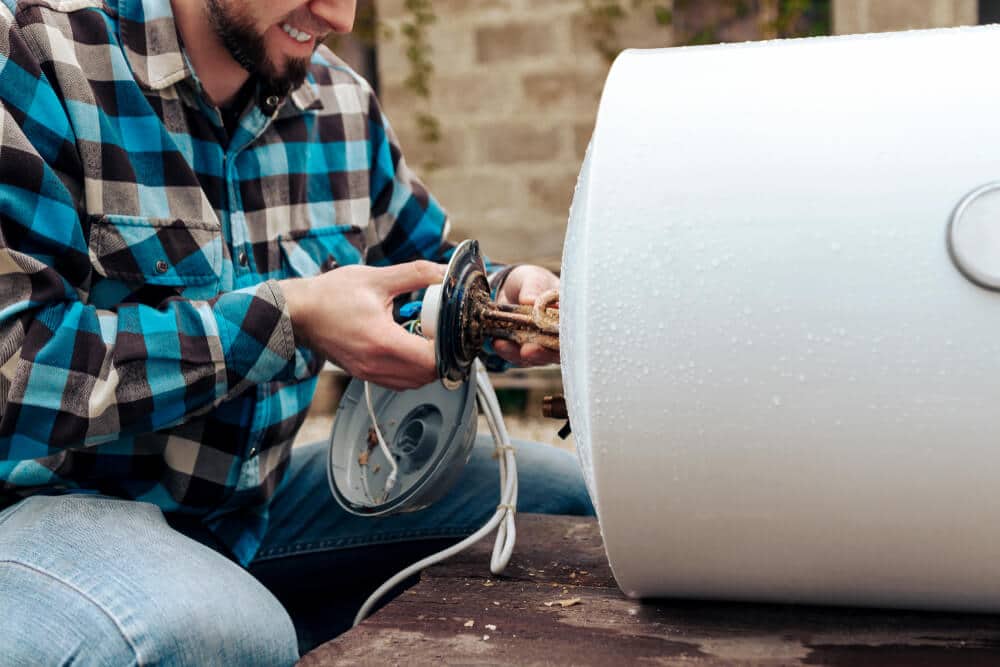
232 623
44 621
550 481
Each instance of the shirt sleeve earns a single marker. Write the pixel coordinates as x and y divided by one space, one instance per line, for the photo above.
409 222
72 375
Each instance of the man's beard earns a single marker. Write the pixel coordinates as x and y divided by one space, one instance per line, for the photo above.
247 47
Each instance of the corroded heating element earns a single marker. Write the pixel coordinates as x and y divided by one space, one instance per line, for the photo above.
538 323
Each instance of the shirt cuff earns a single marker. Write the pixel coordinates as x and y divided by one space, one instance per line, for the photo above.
256 332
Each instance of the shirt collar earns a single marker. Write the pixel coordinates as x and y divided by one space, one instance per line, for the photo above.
149 38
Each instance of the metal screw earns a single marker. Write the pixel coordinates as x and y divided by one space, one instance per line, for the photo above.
242 258
272 101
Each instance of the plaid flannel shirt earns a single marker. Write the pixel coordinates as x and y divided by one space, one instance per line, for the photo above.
146 351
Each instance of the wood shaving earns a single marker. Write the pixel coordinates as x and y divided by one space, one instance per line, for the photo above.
488 584
372 439
470 624
491 627
564 603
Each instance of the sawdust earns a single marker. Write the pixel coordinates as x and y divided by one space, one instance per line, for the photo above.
564 603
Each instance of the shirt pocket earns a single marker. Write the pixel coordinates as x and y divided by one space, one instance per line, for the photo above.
156 251
310 252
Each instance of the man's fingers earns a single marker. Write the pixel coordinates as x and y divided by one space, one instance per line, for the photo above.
508 351
409 277
529 354
411 351
535 355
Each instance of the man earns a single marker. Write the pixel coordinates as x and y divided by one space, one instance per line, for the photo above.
189 191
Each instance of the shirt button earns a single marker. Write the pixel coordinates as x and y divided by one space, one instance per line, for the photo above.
161 266
272 102
252 453
242 258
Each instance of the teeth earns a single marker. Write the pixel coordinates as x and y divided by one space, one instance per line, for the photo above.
297 35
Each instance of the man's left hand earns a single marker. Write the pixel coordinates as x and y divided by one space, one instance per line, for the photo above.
524 284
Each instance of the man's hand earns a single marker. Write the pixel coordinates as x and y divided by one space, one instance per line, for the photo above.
346 316
523 285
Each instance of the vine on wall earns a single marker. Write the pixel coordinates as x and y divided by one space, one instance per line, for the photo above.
418 54
698 22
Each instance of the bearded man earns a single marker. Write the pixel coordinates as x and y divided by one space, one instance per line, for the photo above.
200 204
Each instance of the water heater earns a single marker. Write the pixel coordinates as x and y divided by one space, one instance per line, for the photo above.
780 330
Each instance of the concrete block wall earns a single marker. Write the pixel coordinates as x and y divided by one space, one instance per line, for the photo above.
516 89
857 16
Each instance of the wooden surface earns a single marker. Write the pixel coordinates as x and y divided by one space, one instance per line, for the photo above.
460 615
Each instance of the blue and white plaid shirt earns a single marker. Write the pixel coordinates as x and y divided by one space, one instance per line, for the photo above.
146 351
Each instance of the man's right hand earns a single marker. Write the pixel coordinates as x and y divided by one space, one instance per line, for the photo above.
346 316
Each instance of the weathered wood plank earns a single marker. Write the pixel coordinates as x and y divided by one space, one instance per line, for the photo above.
561 558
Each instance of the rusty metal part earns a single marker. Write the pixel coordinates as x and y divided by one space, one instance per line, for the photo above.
537 323
545 318
554 407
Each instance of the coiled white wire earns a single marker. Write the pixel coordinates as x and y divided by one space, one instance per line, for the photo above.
502 519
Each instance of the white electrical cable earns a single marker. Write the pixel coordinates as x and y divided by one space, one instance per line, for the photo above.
390 482
503 518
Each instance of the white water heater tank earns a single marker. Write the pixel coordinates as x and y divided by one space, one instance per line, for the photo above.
780 335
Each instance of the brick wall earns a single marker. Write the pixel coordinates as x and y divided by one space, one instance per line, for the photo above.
516 88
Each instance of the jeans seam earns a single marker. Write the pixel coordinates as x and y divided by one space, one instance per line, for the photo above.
88 598
14 510
358 541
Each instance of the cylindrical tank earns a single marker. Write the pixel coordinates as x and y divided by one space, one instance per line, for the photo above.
782 386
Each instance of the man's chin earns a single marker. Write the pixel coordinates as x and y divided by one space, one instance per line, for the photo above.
288 78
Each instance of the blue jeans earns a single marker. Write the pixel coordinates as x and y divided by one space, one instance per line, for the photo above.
95 580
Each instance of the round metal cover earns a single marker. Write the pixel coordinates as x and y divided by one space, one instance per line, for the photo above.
456 343
974 236
430 432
